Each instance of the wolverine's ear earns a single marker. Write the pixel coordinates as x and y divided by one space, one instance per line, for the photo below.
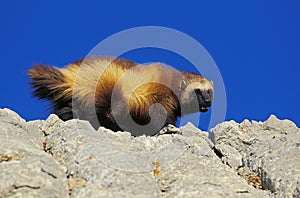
182 85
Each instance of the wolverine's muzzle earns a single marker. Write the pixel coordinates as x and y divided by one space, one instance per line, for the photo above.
204 98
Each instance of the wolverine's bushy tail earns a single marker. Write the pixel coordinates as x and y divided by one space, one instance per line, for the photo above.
46 82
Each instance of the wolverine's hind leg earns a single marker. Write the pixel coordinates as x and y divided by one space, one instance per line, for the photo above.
64 113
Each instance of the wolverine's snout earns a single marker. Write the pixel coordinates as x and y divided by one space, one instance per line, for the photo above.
204 98
207 96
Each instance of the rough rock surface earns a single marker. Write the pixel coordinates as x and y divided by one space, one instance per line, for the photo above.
270 150
53 158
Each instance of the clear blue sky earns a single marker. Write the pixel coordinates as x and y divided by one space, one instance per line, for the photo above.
256 45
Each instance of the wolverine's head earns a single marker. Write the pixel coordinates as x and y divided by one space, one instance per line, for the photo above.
197 93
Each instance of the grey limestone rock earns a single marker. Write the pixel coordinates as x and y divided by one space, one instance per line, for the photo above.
25 168
270 149
53 158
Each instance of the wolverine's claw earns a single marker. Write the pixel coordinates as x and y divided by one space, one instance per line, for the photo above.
170 129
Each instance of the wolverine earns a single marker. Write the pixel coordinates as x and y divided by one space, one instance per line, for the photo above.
121 95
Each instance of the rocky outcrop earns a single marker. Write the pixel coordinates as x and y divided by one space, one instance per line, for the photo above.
268 152
53 158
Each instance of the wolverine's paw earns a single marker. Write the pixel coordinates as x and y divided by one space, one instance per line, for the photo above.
170 129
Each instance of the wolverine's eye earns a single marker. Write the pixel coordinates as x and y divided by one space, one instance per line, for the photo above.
197 91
